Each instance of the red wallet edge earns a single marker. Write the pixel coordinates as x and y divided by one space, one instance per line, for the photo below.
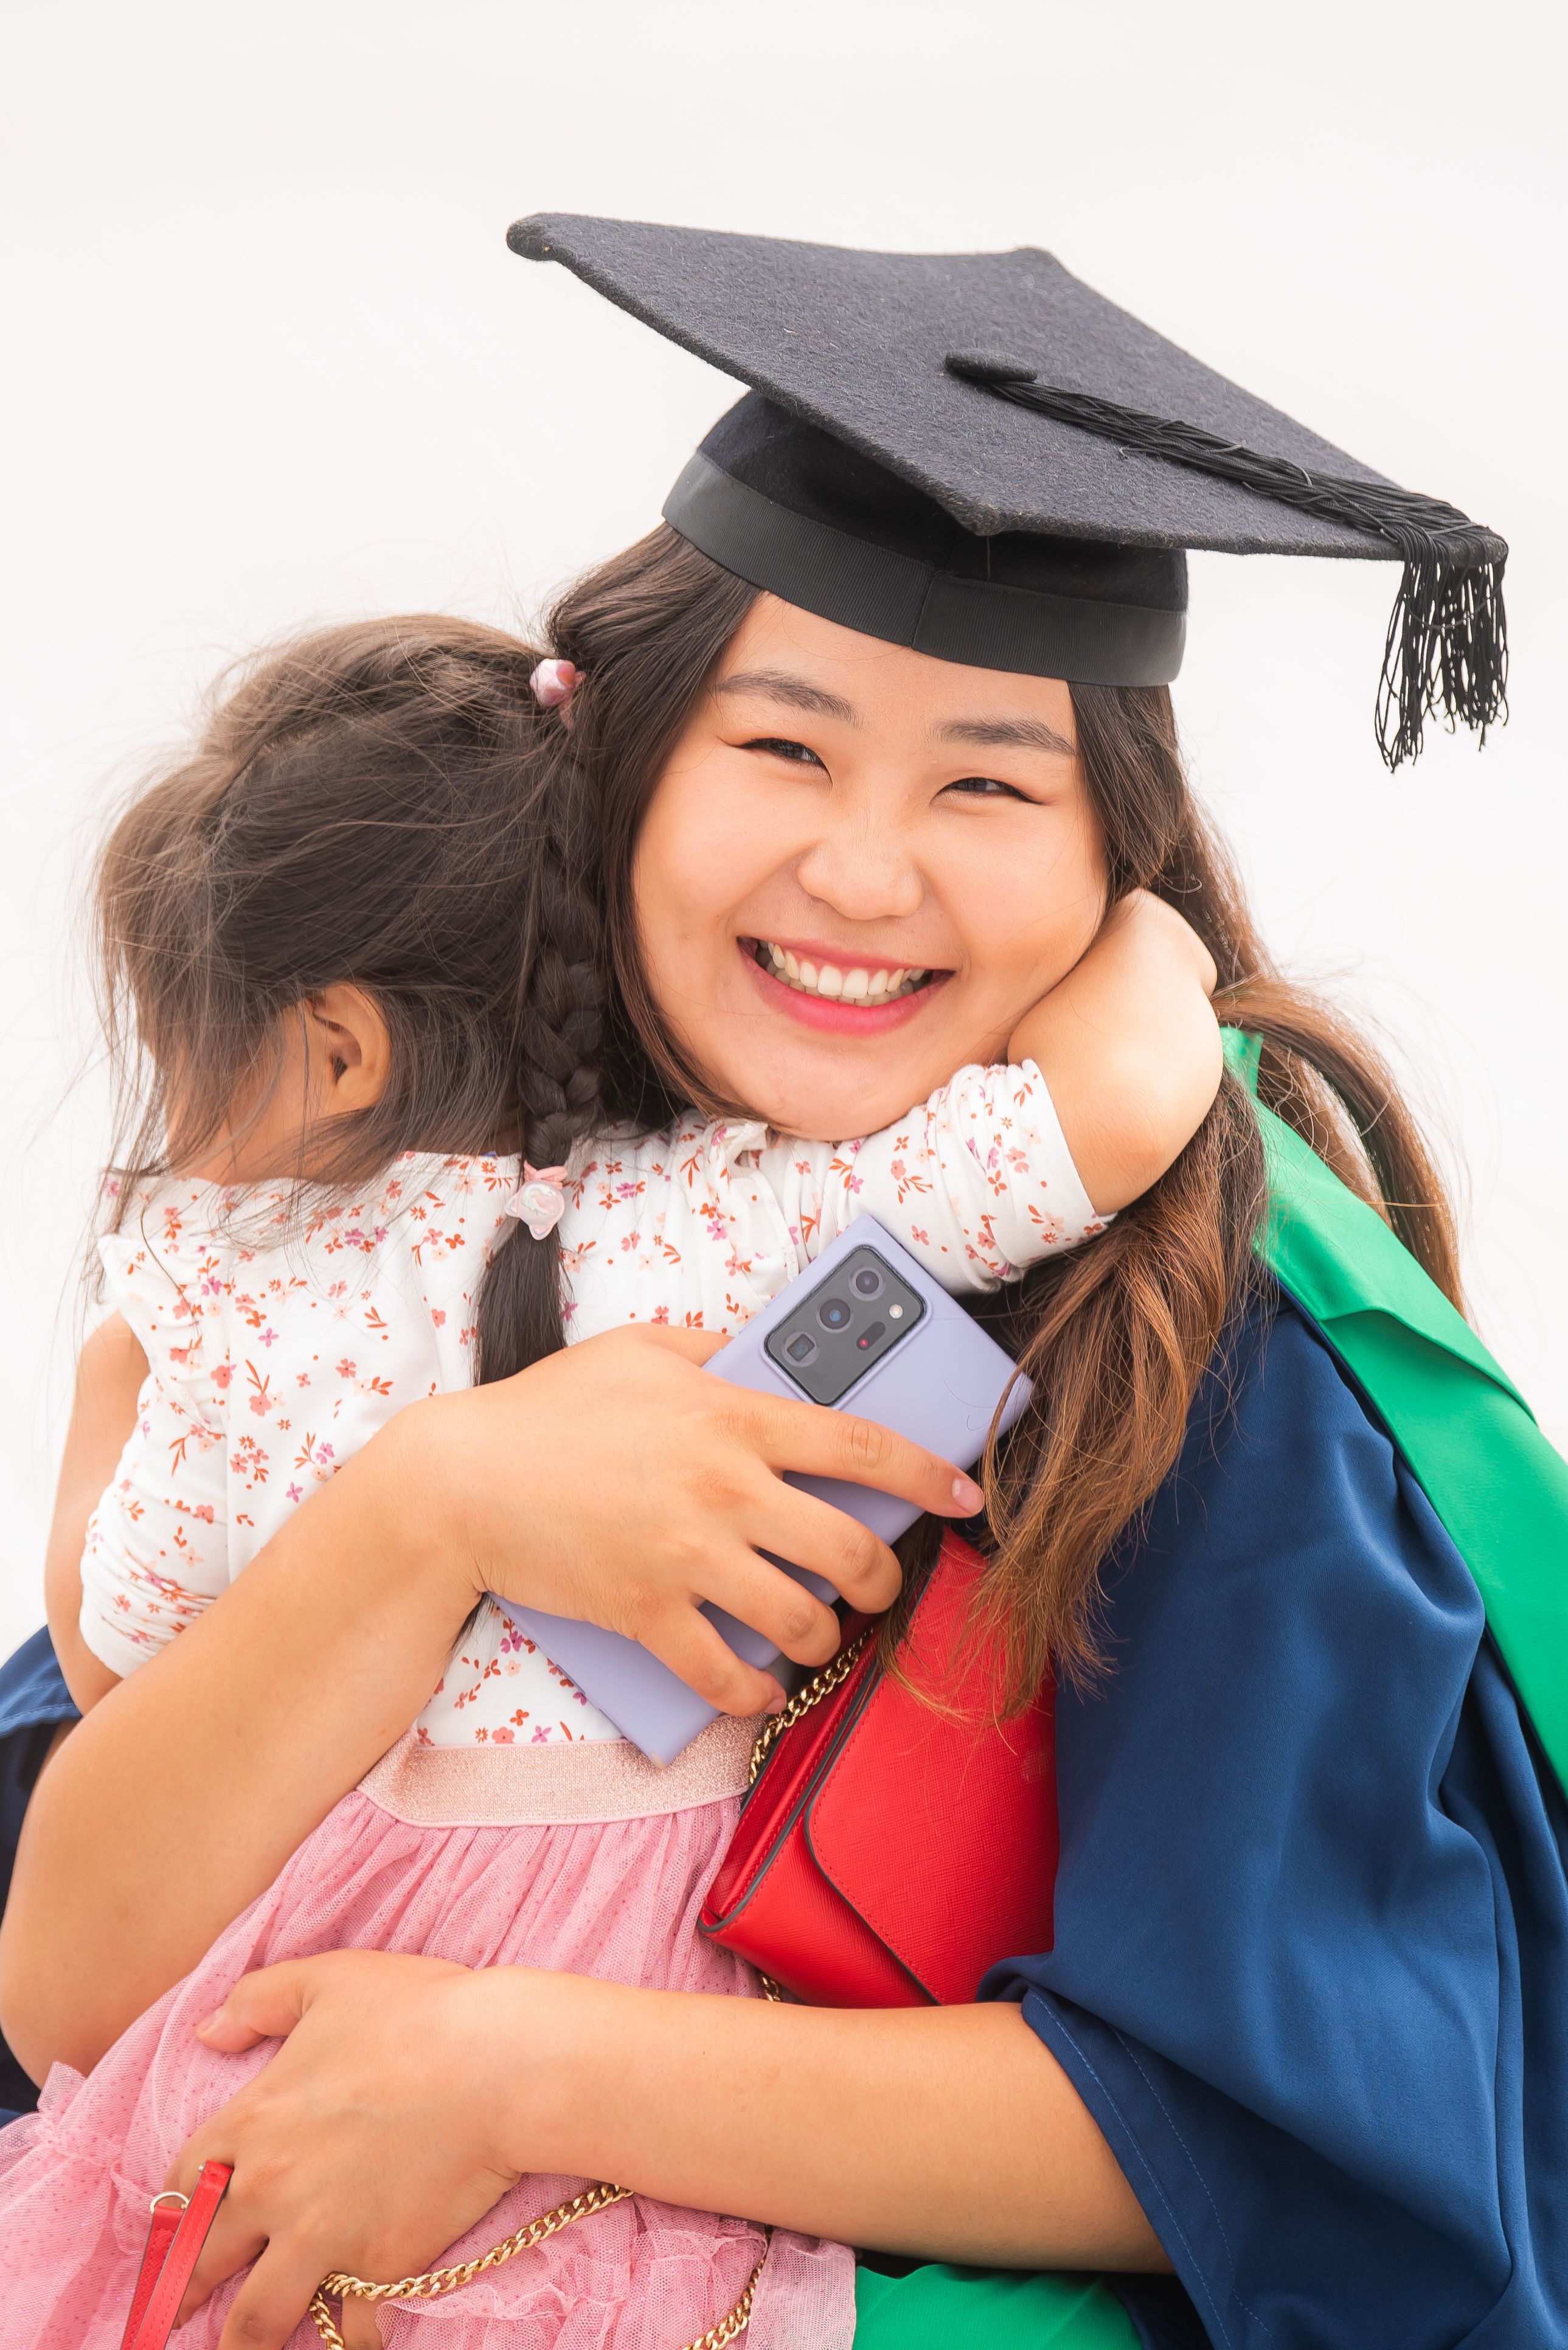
818 1789
718 1921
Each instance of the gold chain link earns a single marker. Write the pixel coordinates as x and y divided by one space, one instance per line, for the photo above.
435 2281
832 1676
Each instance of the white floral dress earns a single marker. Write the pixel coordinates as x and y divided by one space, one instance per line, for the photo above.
278 1342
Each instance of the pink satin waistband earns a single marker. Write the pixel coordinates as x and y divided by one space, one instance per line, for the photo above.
589 1779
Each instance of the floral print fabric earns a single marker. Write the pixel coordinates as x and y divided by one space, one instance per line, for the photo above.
280 1338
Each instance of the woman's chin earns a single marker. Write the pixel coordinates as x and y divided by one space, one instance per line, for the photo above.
825 1087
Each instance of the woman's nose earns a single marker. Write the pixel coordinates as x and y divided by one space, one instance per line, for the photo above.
865 870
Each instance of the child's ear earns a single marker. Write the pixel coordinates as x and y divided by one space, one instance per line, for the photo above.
349 1048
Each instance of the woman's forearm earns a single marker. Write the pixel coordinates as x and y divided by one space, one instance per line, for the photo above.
186 1789
944 2134
410 2093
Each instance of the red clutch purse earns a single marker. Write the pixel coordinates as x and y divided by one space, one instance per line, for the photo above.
890 1850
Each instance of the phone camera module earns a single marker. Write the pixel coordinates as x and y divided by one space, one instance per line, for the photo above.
834 1314
801 1349
867 1281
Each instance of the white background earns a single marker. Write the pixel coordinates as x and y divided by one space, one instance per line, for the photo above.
268 360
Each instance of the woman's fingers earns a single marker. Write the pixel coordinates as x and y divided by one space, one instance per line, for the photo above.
266 2005
234 2239
276 2295
350 2148
812 1534
619 1483
682 1638
817 1442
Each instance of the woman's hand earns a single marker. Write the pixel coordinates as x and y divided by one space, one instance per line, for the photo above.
410 2095
617 1482
367 2144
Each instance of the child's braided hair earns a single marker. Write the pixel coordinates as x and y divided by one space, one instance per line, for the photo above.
387 802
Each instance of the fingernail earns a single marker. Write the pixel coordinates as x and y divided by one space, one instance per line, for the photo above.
968 1496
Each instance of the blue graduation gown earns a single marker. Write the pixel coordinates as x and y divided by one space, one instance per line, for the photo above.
1311 1962
33 1701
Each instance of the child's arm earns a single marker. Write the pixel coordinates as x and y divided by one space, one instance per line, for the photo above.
1129 1047
1107 1079
110 1373
153 1554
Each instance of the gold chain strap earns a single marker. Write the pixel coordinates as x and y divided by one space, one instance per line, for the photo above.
435 2281
832 1676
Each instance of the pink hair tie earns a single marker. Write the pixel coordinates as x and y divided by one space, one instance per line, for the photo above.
540 1201
553 684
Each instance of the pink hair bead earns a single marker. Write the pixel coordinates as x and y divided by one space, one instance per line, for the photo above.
553 684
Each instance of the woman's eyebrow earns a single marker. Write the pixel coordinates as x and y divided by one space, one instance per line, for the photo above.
778 685
997 734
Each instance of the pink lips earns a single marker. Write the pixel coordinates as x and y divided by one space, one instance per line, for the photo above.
831 1015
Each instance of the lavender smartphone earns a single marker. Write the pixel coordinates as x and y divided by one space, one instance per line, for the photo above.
865 1329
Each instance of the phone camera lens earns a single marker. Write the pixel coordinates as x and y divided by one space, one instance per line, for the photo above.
834 1314
801 1349
867 1281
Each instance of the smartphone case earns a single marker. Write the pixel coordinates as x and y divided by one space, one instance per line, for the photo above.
940 1384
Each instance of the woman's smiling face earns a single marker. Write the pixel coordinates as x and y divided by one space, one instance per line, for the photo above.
860 869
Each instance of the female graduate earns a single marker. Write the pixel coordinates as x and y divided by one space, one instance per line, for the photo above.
1291 2070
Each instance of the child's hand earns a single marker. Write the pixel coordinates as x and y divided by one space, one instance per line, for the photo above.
1130 1047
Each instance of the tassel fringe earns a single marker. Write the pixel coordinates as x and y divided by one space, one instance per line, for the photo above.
1447 647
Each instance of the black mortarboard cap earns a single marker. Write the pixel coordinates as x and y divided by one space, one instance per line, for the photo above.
977 456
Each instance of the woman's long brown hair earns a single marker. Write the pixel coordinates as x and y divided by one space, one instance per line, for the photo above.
386 803
1118 1336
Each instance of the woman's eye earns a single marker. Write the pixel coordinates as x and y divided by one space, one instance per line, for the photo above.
777 747
985 787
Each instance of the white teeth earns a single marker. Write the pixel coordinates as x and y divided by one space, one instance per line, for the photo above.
855 986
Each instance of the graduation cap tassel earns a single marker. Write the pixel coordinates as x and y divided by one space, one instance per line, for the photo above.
1446 646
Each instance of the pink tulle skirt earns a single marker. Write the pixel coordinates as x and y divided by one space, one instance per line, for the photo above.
582 1859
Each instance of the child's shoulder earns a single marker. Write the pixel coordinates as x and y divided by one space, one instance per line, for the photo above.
183 1248
174 1233
438 1215
168 1266
418 1185
625 1162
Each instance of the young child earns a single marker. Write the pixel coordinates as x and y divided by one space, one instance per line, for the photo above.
349 940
